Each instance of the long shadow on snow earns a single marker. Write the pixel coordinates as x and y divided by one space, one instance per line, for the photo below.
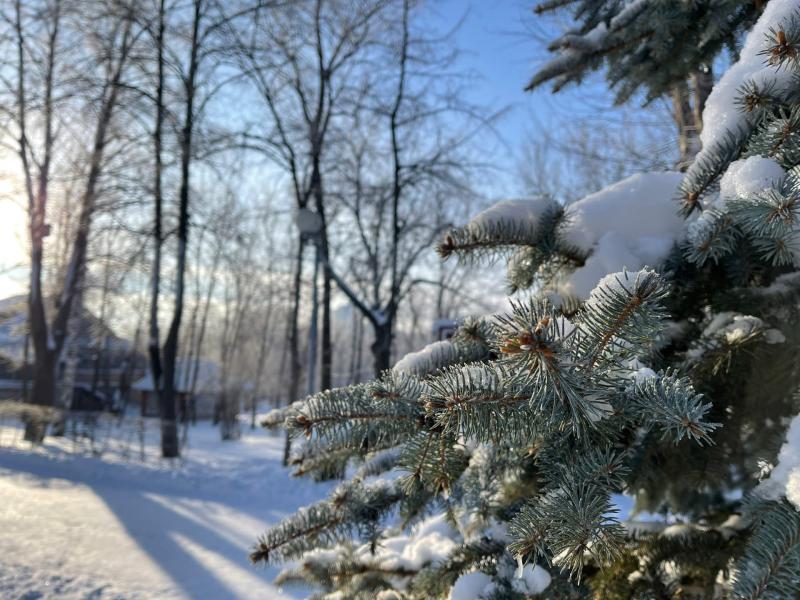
149 523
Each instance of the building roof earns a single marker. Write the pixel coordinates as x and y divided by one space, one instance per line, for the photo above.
90 332
207 377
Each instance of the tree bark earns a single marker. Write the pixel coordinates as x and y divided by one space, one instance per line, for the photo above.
44 386
326 346
688 102
294 342
44 358
48 341
382 348
685 122
702 81
154 341
169 427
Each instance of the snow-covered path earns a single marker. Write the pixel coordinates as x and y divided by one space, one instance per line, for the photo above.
75 526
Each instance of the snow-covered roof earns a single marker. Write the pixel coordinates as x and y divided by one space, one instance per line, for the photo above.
207 377
14 325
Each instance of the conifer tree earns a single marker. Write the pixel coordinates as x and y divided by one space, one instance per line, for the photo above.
644 45
649 49
649 354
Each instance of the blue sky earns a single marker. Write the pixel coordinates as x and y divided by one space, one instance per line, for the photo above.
496 47
503 43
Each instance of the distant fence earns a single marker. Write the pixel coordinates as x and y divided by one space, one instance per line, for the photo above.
85 432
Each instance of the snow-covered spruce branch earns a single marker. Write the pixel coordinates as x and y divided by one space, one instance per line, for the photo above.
479 403
770 566
758 205
325 572
668 403
508 225
354 417
549 416
752 110
603 467
436 580
623 311
708 167
469 344
545 384
725 337
349 509
565 525
433 461
711 237
632 41
568 251
657 559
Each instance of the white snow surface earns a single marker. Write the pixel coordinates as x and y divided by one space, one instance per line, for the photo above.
733 327
471 586
77 526
721 113
419 362
784 480
529 580
532 580
746 177
622 281
629 224
429 542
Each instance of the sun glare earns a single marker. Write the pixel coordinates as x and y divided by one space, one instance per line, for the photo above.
13 221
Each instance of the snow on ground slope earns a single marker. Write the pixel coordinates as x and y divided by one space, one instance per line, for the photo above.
76 526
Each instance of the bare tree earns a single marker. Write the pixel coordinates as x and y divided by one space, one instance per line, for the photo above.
304 59
153 348
109 44
419 126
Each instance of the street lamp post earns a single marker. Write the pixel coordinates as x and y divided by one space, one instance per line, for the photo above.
309 224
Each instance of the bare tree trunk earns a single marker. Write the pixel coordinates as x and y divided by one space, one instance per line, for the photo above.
326 346
702 81
353 343
45 357
382 348
169 429
26 369
294 342
44 386
359 350
49 342
198 348
685 121
154 341
313 327
263 352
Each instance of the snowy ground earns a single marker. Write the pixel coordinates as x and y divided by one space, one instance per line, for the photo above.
77 526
